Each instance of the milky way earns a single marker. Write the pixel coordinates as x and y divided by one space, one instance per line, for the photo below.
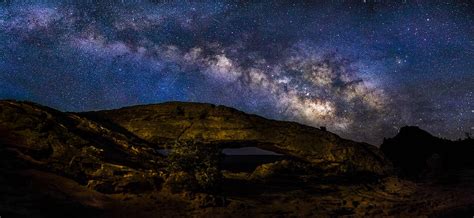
361 69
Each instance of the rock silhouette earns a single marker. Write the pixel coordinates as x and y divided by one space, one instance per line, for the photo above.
417 153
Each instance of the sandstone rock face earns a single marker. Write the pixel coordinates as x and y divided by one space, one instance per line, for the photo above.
33 136
280 168
162 124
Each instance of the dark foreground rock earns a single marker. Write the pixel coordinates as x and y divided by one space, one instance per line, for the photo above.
33 136
106 164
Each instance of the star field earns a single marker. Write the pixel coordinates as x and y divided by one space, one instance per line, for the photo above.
360 68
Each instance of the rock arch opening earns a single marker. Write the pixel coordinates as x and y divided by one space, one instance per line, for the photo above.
246 159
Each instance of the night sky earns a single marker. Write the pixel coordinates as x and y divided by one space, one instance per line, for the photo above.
361 69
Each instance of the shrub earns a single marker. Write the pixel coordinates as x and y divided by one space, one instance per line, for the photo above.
198 162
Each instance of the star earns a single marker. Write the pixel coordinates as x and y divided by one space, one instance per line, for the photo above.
359 70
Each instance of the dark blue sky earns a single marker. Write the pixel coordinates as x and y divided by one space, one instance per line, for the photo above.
361 69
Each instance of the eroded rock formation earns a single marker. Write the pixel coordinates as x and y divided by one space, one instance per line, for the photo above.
164 123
